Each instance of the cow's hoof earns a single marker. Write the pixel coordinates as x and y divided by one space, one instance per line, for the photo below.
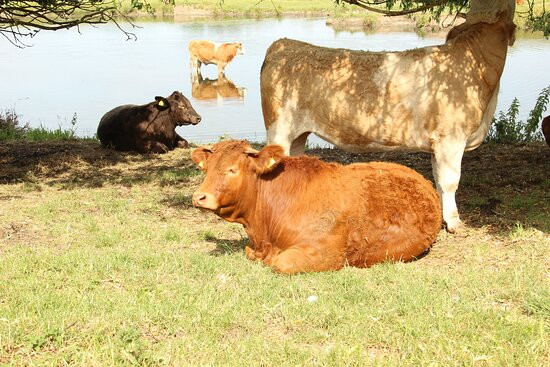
455 227
183 144
250 253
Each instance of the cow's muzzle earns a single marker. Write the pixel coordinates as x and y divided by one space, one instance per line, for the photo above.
205 200
191 120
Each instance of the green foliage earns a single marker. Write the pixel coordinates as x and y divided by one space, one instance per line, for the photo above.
393 7
540 22
535 116
12 129
534 12
506 129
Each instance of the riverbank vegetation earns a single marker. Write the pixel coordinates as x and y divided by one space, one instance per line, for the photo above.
336 12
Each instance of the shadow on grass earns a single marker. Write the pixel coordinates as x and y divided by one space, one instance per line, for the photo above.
226 247
182 201
84 163
502 186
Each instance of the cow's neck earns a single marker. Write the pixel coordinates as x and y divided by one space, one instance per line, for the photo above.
490 47
267 209
160 121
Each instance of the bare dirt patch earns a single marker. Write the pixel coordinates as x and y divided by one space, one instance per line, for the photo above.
501 185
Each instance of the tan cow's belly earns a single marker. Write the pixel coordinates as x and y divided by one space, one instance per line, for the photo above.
359 139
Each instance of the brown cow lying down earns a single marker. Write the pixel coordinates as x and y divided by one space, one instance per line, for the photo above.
206 52
303 214
150 127
546 129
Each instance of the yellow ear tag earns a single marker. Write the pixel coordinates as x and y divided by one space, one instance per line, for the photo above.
201 164
271 162
161 103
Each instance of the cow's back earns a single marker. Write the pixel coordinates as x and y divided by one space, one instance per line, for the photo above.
119 127
205 51
336 94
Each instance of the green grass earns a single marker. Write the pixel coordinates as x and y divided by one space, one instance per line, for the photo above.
11 128
119 274
38 134
250 8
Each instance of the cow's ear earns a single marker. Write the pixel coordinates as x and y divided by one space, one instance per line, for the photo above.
162 103
200 156
267 159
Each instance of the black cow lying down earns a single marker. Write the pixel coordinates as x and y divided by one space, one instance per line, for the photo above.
150 127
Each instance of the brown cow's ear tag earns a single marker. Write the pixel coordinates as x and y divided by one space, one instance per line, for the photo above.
271 162
161 103
201 164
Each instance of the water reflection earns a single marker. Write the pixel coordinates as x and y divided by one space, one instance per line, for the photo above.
210 89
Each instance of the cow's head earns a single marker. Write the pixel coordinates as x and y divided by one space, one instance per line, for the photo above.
180 109
231 168
240 48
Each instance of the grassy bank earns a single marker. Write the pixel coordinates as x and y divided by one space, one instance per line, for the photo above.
103 261
243 7
267 8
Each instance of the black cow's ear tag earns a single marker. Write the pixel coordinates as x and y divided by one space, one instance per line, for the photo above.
162 104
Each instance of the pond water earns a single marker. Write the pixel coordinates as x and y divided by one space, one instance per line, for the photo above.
88 73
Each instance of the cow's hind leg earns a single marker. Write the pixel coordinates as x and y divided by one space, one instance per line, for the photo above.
446 162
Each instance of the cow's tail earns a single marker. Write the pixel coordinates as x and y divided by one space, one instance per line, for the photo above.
267 82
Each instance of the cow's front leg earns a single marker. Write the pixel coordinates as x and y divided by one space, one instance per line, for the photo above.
263 251
446 163
152 146
180 142
304 259
221 71
283 133
195 68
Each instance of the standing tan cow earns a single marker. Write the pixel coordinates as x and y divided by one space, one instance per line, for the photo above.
303 214
206 52
438 99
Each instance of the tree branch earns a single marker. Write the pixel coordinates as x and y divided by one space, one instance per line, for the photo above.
367 5
23 18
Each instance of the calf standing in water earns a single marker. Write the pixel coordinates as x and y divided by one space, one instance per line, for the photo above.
304 215
206 52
